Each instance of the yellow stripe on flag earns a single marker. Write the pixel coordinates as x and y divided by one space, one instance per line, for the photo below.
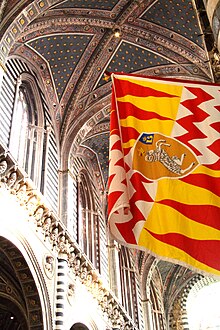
164 106
170 87
165 250
185 193
165 126
205 170
170 220
129 144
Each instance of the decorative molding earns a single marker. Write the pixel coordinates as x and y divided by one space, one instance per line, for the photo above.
49 265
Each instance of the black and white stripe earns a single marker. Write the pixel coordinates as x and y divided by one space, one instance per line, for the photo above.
61 294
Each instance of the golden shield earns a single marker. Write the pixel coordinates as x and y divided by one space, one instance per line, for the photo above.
158 156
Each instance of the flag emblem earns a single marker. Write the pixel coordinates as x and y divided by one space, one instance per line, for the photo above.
157 156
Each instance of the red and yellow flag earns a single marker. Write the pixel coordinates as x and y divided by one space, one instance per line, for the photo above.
164 170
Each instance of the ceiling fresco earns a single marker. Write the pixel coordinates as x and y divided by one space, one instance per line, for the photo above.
130 58
62 52
176 15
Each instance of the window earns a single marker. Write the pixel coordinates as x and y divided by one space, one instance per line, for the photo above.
27 133
87 220
20 134
128 283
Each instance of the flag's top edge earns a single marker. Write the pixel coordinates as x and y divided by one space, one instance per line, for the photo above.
136 76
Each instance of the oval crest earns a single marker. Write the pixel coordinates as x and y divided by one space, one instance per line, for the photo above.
158 156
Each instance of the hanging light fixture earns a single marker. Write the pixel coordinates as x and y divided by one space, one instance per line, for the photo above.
117 32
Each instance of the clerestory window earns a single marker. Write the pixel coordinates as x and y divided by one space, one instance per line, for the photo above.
27 132
19 135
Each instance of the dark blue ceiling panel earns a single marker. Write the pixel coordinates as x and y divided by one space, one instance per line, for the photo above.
62 52
178 16
130 58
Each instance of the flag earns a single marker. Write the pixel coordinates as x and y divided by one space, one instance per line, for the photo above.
164 169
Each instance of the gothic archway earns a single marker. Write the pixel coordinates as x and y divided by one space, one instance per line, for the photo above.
20 306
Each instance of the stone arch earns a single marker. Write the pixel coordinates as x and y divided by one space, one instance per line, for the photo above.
178 315
20 302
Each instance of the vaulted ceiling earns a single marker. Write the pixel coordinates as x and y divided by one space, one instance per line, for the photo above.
75 42
72 44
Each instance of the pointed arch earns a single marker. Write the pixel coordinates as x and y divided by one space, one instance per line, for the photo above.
27 127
